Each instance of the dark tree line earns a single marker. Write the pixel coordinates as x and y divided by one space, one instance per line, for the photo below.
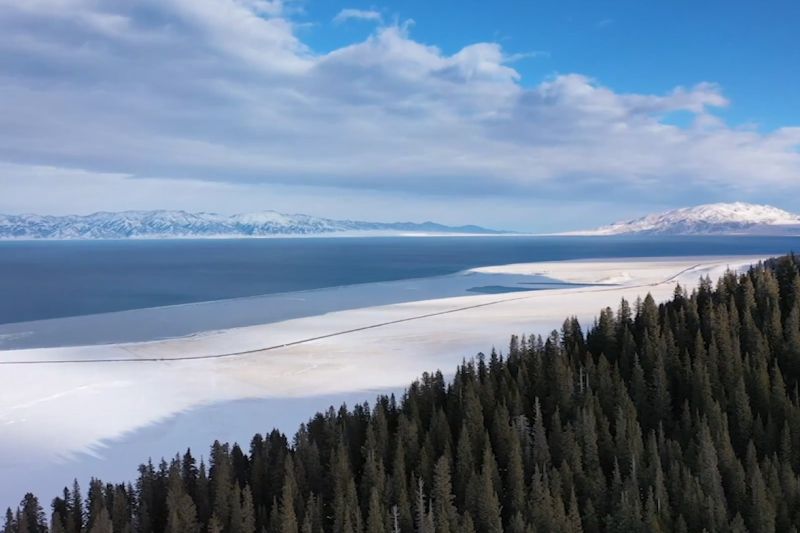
683 416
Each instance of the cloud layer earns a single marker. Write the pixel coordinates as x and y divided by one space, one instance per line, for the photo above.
225 91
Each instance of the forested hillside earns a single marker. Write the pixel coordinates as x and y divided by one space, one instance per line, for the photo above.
683 416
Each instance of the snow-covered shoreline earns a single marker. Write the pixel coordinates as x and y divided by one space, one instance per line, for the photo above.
57 413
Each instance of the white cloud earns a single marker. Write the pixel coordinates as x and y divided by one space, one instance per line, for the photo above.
78 191
603 23
225 92
357 14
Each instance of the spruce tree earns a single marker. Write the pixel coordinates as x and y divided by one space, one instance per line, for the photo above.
31 518
444 509
181 511
288 515
376 522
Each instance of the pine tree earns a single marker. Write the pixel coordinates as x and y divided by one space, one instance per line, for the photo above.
375 515
423 518
75 520
541 449
444 510
10 524
202 497
189 473
761 512
514 501
120 511
235 507
248 518
573 523
488 517
56 524
221 484
312 520
740 416
465 466
347 516
541 502
399 491
101 523
467 525
711 481
181 511
214 525
288 515
95 501
32 518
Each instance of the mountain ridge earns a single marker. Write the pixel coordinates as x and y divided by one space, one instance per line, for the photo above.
736 218
165 224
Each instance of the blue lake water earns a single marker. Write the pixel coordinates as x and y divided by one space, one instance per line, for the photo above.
47 279
100 292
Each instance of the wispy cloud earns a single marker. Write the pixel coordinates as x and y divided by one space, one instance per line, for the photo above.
357 14
604 23
533 54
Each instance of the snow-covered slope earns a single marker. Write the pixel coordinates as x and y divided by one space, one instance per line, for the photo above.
712 219
173 224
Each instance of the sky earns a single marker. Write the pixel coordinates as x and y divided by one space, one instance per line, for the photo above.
522 115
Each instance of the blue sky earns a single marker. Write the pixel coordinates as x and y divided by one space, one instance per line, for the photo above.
750 48
524 115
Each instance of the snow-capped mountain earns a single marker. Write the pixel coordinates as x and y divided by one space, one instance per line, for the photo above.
180 224
737 218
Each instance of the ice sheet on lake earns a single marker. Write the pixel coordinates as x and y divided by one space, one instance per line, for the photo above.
181 320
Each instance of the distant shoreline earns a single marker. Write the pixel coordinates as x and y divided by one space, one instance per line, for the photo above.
404 235
331 235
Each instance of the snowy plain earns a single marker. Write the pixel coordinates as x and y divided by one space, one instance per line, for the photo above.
100 410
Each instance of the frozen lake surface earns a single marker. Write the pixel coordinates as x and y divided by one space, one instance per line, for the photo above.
156 323
51 279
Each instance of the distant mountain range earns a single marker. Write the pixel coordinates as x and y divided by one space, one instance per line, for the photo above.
737 218
180 224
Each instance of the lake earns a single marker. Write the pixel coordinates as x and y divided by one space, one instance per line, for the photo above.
50 279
